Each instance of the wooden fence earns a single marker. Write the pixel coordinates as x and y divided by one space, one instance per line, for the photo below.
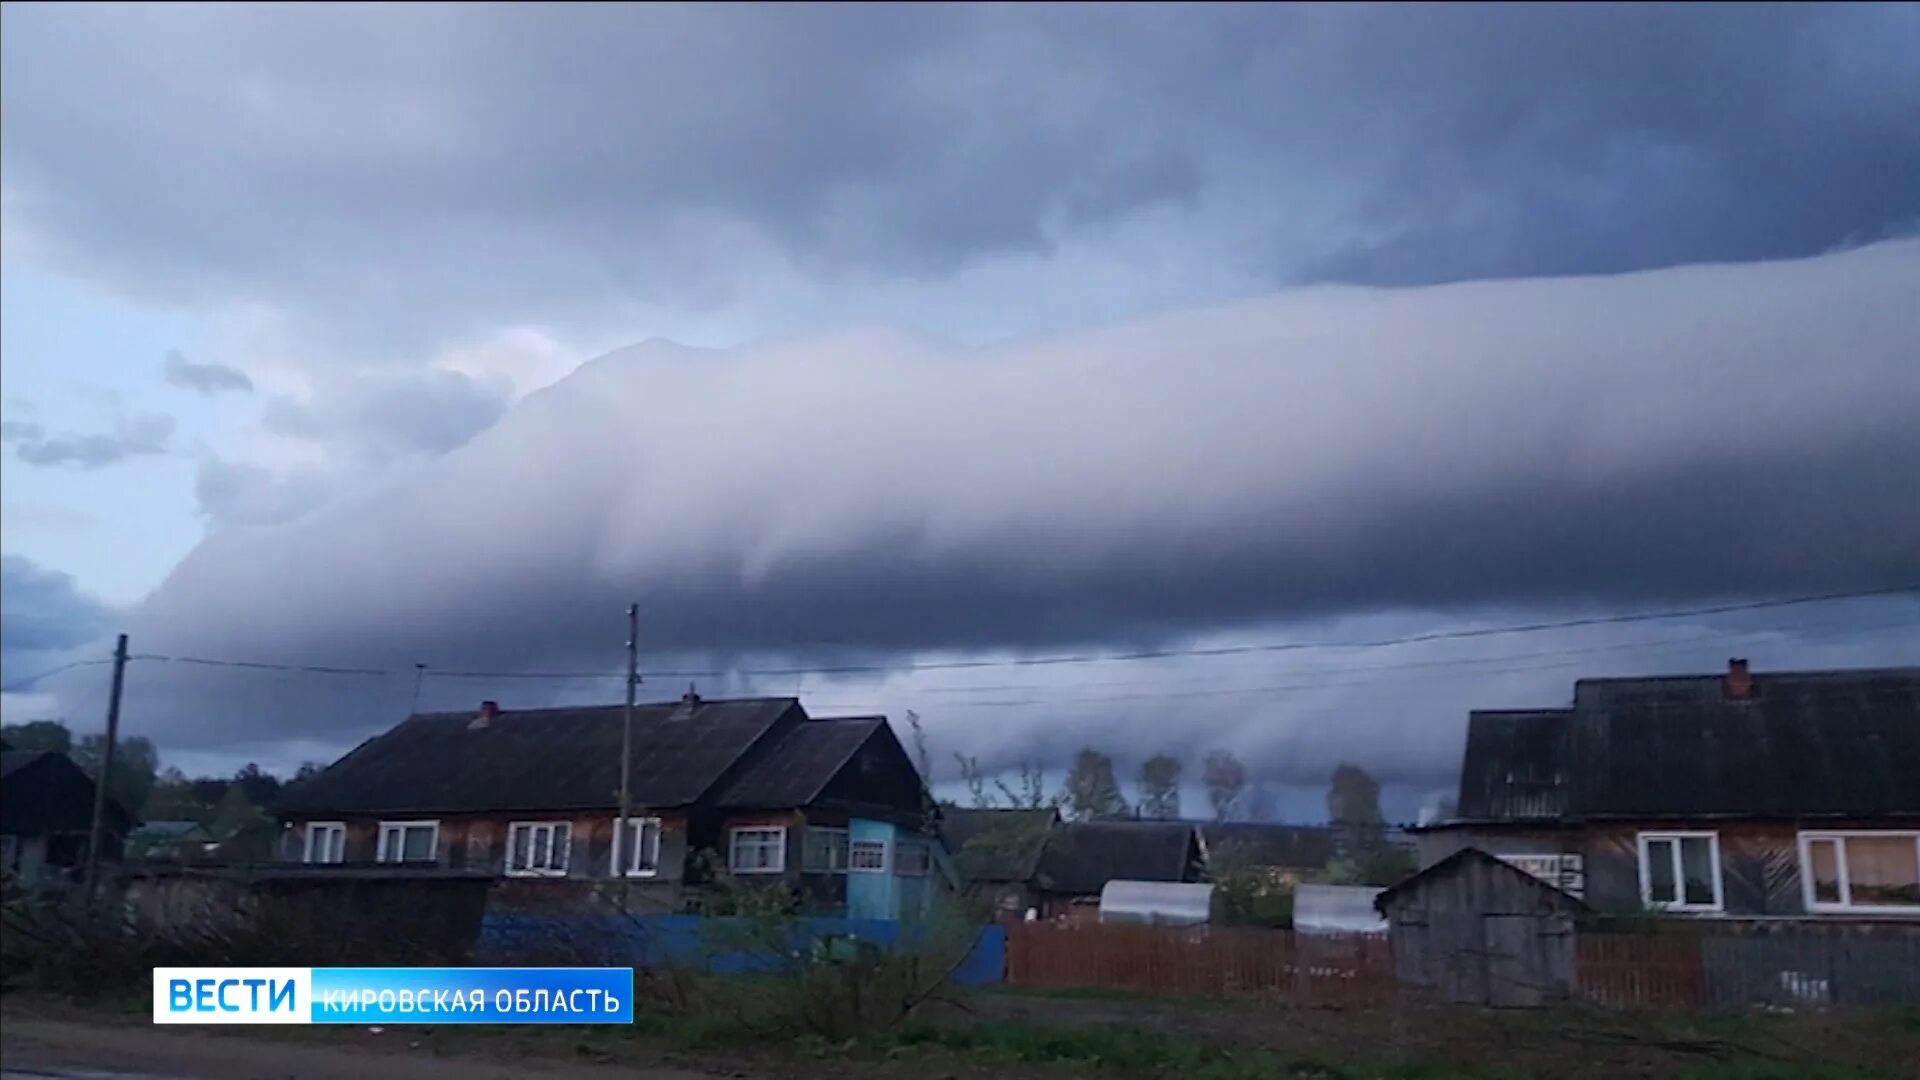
1619 970
1203 962
1640 970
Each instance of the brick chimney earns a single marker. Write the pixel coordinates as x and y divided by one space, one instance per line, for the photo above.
1738 685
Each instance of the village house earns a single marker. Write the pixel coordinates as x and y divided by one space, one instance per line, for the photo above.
1029 860
1081 857
46 816
833 808
1746 794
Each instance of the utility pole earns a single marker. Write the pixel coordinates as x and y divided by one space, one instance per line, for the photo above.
98 828
419 675
626 737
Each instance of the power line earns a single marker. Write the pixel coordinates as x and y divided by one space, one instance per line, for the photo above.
1083 658
22 684
1817 630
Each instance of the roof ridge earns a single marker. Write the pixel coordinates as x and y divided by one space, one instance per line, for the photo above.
1912 670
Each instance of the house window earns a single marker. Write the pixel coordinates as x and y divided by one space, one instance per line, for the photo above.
912 858
1861 871
640 848
1680 871
326 842
538 848
408 841
825 851
868 856
758 850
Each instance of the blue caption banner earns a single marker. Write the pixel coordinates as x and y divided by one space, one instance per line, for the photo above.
232 995
472 996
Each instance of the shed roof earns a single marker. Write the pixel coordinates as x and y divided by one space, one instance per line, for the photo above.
46 792
1082 856
1801 744
543 759
997 845
1295 846
1510 877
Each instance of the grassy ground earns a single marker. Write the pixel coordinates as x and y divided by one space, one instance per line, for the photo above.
1106 1034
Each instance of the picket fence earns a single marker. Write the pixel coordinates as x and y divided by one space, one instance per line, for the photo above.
1620 970
1203 962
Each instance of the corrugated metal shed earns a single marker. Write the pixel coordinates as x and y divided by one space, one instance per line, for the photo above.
1337 909
1156 903
543 759
1801 744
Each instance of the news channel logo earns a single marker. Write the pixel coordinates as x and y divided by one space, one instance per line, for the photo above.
277 995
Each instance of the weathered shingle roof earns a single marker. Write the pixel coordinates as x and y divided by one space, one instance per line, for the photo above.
997 845
1824 743
1082 856
798 763
543 759
1298 846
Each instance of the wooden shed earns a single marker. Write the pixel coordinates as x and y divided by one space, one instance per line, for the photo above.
1473 929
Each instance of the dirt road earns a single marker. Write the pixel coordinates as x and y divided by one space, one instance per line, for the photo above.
33 1048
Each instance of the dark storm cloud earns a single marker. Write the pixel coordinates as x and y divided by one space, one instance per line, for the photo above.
435 169
135 435
207 379
42 611
1589 443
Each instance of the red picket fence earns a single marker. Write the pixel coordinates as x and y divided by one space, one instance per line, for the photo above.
1641 970
1712 967
1203 961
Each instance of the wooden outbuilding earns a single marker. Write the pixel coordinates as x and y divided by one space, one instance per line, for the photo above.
1476 930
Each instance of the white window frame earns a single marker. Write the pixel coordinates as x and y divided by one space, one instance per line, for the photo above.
900 865
330 827
559 838
733 849
385 852
629 847
1845 905
1679 875
854 846
827 832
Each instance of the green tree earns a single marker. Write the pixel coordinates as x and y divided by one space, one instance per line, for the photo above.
135 765
38 735
235 814
1353 798
172 799
1159 787
1225 778
1244 894
262 787
1092 791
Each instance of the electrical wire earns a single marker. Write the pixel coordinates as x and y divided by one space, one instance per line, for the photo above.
21 684
1074 659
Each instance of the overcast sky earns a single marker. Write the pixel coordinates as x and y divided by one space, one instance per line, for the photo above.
858 336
